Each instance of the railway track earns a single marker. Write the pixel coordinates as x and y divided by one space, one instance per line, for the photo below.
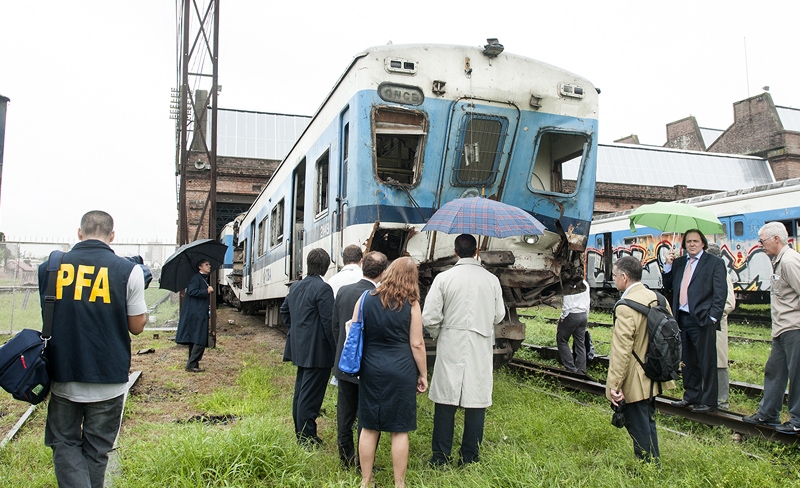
608 325
730 420
749 389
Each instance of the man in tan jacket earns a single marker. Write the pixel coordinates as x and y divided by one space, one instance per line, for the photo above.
626 379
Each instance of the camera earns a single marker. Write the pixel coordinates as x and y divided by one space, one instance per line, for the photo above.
618 418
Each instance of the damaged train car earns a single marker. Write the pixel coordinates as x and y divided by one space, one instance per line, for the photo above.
408 128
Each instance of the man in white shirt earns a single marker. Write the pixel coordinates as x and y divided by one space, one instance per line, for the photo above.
573 321
351 272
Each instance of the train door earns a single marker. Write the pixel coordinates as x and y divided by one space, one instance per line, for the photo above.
340 219
295 254
479 144
250 250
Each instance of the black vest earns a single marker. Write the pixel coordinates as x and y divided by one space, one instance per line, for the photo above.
90 342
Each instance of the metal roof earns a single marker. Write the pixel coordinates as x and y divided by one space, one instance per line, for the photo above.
710 135
259 135
635 164
790 118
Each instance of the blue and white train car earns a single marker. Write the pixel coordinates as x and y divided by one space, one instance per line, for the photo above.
742 213
408 128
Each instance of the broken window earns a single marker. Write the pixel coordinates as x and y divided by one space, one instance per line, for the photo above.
322 184
276 222
480 143
553 149
399 144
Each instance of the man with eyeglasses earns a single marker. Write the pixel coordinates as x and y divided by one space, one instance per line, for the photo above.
783 364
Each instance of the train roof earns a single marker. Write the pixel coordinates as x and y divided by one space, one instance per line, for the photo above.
791 185
635 164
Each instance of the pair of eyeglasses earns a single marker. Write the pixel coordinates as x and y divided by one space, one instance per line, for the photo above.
761 241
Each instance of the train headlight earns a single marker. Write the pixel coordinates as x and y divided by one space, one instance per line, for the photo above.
530 239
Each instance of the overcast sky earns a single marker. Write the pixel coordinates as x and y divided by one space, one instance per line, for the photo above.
89 81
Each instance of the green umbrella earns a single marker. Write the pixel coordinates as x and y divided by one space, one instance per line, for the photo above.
676 217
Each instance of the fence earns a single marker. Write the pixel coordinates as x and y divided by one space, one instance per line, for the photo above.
19 290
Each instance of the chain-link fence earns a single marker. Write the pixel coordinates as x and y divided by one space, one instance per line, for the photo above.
19 290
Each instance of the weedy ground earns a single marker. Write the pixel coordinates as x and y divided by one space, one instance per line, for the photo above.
232 426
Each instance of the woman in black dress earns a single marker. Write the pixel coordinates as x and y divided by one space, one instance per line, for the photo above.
393 367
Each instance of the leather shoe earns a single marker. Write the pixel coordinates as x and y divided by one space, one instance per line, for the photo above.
680 404
703 409
195 370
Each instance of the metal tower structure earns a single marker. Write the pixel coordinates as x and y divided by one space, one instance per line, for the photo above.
198 62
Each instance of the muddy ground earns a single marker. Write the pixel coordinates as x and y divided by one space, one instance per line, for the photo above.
165 391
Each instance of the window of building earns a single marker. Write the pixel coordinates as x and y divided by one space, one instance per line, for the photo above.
321 173
276 225
399 145
480 143
552 150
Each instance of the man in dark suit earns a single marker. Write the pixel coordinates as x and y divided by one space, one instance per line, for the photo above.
373 264
699 291
310 344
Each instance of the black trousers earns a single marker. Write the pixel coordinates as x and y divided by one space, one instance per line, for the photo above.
699 356
309 391
346 413
443 426
641 425
195 355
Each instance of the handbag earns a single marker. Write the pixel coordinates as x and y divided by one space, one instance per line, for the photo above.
350 360
23 362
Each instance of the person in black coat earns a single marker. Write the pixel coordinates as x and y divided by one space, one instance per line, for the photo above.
373 264
307 311
699 292
193 324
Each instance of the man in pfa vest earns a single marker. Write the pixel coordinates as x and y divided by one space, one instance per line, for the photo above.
99 301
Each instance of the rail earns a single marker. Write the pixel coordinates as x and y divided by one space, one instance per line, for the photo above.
730 420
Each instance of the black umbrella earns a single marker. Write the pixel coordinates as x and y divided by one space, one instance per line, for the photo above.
179 268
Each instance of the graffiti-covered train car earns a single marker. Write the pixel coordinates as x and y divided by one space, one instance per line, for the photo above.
742 213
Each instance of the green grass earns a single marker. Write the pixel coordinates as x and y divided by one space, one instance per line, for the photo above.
536 436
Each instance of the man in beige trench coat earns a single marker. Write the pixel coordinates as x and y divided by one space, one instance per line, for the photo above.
460 311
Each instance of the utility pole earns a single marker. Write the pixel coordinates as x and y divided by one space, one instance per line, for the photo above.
198 43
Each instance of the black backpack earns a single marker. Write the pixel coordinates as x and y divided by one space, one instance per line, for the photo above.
663 358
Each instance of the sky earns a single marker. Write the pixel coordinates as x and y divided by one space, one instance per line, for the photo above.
88 122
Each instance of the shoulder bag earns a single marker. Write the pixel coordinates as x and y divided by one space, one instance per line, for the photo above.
23 363
350 361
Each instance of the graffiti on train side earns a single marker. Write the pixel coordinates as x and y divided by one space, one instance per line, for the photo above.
748 265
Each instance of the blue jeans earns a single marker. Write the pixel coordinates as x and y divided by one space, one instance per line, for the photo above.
783 366
81 436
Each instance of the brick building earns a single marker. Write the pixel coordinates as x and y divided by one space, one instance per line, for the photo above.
760 128
250 146
767 133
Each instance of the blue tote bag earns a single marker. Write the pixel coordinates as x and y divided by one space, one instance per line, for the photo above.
350 360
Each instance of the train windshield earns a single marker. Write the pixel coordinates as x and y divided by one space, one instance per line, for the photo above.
553 150
481 142
399 144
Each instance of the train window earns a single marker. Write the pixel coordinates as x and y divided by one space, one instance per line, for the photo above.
399 144
345 154
552 150
276 227
480 144
262 237
738 228
322 184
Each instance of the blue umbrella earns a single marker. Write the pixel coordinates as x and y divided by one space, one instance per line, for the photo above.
484 217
